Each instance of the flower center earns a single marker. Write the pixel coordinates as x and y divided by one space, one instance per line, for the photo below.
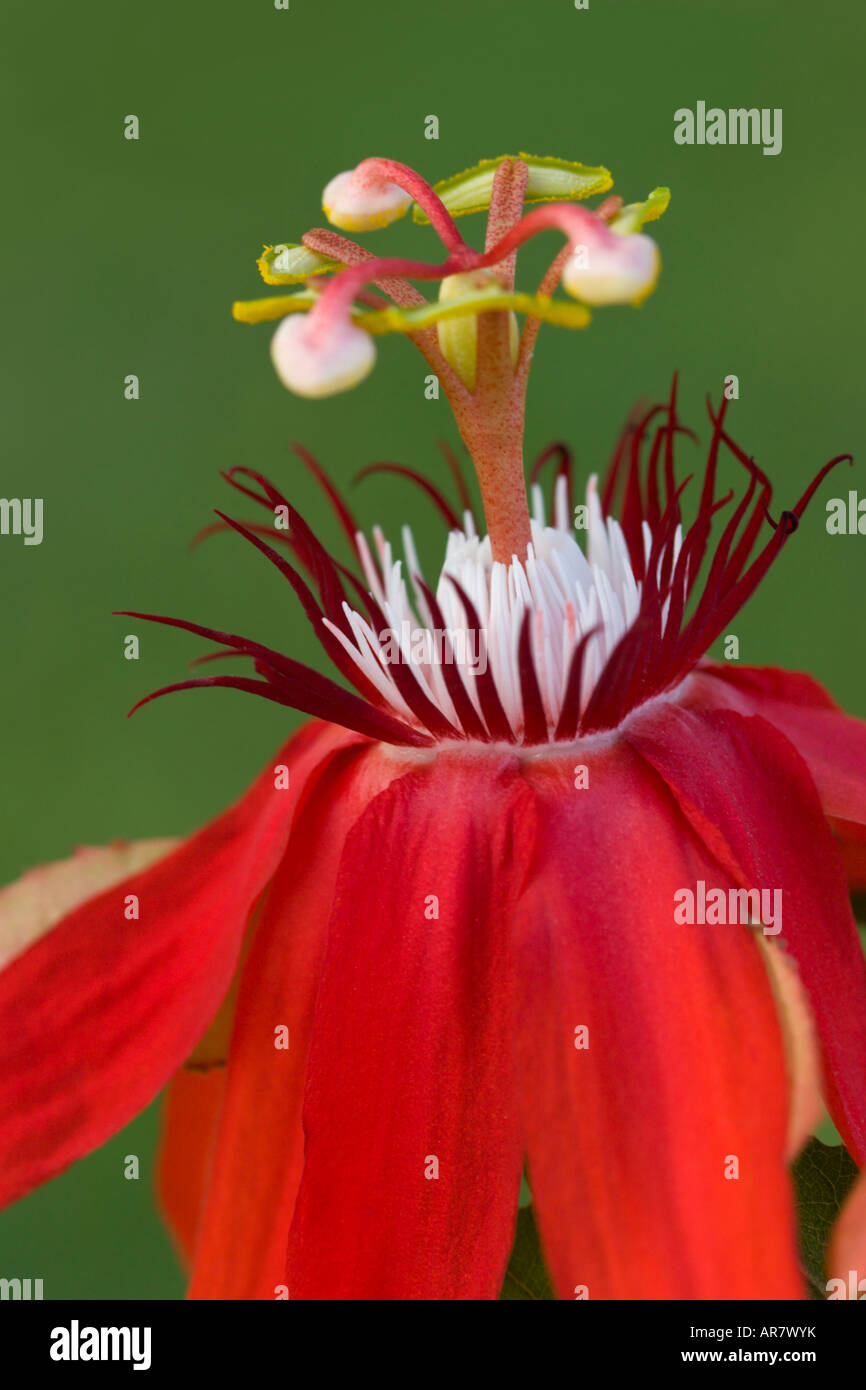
541 651
499 620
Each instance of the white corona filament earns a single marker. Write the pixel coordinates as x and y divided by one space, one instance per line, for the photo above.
568 592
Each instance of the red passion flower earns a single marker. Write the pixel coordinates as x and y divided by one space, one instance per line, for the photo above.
540 890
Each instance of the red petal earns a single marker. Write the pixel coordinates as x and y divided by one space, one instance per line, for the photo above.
98 1013
259 1153
411 1061
750 795
629 1137
190 1115
832 743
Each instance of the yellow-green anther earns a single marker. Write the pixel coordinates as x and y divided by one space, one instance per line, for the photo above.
549 179
632 217
288 263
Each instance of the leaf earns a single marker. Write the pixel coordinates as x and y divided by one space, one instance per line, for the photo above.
526 1277
549 179
287 263
822 1176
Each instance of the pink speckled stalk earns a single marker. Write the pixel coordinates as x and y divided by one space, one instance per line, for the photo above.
493 429
506 206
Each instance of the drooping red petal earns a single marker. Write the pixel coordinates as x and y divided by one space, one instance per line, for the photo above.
190 1117
241 1252
98 1013
633 1127
189 1123
831 742
414 1153
751 797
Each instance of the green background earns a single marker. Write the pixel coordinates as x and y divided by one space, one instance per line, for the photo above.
124 257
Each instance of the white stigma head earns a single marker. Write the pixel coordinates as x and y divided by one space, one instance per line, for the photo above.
613 270
312 363
359 200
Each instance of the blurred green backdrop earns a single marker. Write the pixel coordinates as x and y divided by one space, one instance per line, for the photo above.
123 257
